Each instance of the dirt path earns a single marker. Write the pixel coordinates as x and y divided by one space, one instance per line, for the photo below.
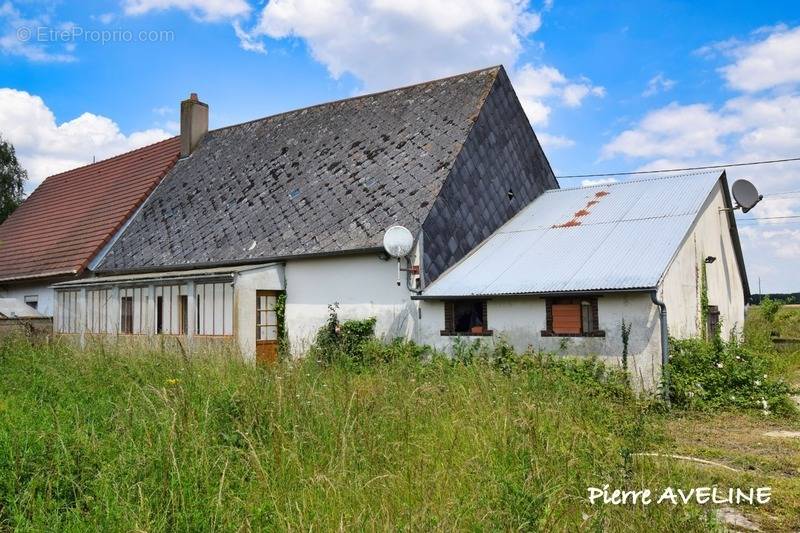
765 450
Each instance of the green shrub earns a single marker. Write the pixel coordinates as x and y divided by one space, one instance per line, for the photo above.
770 307
717 374
342 342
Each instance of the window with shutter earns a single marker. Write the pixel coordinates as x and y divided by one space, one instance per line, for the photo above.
572 317
466 317
566 318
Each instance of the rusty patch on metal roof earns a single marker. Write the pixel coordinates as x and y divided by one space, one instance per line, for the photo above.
568 224
582 212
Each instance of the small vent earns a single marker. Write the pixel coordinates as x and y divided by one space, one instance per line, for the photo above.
294 194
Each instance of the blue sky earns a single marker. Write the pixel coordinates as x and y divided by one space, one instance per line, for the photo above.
608 86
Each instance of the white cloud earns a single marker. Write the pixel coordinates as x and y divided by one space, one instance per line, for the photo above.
536 87
248 41
205 10
757 124
45 147
675 131
766 63
385 43
18 37
104 18
574 93
554 142
658 84
599 181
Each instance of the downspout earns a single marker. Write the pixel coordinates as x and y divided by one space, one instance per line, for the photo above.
664 343
414 290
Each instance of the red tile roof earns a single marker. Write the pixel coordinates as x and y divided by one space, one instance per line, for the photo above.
68 219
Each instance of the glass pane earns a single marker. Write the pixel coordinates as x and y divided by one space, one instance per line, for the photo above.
262 302
262 318
271 300
272 318
272 333
261 333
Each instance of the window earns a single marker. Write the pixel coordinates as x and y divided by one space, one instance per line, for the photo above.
32 301
266 317
466 317
126 314
712 324
183 314
572 317
159 314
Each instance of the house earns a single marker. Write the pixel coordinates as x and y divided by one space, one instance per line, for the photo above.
62 229
567 271
259 227
295 205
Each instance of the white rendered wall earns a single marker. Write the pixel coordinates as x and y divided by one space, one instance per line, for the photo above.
43 291
363 285
680 288
520 320
268 278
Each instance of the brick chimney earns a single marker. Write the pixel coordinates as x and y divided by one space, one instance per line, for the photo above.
194 123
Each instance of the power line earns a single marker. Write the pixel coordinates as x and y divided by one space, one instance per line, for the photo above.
705 167
782 193
770 218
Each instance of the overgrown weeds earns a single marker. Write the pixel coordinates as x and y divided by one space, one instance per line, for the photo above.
715 374
105 440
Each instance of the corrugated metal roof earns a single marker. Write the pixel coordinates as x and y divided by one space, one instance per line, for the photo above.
151 277
607 237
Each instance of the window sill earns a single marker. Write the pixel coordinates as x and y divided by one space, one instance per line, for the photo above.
591 334
445 333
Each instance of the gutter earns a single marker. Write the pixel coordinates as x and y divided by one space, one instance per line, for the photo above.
522 294
664 343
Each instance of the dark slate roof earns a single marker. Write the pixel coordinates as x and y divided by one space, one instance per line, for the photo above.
325 179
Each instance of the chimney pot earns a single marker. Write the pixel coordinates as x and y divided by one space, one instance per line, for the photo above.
194 123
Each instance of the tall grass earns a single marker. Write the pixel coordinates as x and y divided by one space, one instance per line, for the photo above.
103 440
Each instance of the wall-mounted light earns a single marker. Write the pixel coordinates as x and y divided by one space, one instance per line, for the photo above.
710 259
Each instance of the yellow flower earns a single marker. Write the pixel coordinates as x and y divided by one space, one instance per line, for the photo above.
172 381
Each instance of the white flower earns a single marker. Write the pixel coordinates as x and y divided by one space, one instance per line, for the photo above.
719 365
738 358
757 383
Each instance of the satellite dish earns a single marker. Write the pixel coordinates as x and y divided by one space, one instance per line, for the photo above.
398 241
745 194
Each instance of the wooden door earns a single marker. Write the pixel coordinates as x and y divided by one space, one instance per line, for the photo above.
266 327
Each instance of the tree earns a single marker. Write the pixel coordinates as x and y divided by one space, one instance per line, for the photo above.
12 180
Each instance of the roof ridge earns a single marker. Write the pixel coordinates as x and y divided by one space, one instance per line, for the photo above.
626 182
496 68
111 158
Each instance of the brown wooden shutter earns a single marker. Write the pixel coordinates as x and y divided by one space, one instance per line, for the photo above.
567 318
449 327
